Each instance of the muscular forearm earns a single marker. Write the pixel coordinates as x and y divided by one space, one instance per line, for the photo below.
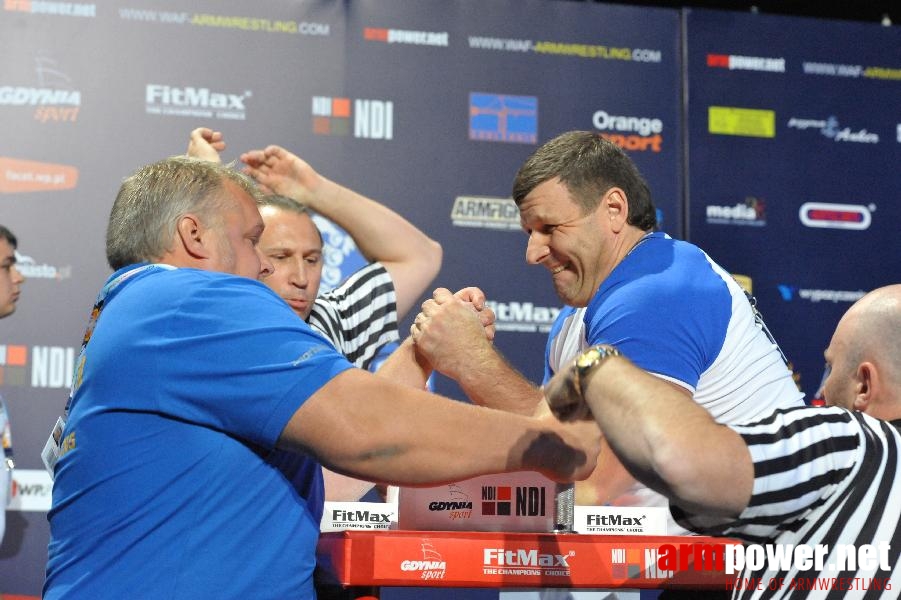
390 433
406 367
668 441
491 381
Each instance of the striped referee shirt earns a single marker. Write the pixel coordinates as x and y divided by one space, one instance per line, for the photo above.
826 478
359 316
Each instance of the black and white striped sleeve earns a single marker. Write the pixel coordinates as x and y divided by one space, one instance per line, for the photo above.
360 315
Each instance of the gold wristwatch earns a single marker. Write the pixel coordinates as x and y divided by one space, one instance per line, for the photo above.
589 360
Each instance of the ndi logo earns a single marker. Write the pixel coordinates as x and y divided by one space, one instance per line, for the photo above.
51 366
502 118
371 119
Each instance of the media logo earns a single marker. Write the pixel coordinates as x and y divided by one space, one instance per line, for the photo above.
195 102
51 366
750 212
638 134
372 119
17 175
747 122
54 98
405 36
485 212
528 501
503 118
31 269
746 63
790 292
523 316
831 129
46 7
824 215
432 565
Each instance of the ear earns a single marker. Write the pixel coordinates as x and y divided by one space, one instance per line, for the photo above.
616 208
190 234
866 386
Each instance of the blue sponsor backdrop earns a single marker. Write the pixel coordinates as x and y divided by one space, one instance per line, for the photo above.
430 106
798 189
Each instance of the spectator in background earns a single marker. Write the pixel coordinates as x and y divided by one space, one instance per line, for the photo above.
193 372
10 288
811 476
591 223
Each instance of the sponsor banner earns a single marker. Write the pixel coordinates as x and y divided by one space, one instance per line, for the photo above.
523 317
195 102
406 36
232 22
17 175
338 516
46 7
750 212
49 366
480 559
629 132
503 118
485 212
31 269
568 49
790 292
831 129
853 71
32 490
746 63
506 502
54 99
365 118
826 215
621 520
748 122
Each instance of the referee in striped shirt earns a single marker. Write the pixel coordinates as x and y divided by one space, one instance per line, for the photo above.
825 477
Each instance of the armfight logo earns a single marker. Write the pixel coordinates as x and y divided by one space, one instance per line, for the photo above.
486 212
195 102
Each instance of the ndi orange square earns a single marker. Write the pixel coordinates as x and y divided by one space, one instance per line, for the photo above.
340 107
16 355
504 493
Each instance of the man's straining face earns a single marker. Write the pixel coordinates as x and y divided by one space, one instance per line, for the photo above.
293 245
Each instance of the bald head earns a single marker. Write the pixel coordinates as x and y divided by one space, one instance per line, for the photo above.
865 356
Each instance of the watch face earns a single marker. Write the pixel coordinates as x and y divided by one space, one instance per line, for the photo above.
585 360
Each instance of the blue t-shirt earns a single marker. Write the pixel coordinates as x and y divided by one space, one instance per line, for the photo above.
164 489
